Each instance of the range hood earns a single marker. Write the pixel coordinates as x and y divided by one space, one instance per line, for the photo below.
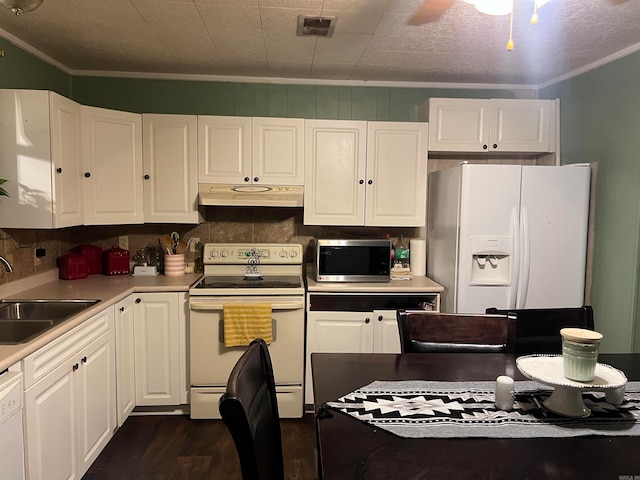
250 195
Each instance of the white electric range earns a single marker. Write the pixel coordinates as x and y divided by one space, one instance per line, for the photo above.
244 273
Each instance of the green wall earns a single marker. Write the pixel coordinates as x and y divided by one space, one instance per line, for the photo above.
19 69
257 99
600 123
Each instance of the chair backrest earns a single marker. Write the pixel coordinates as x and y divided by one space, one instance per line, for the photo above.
538 329
451 332
250 410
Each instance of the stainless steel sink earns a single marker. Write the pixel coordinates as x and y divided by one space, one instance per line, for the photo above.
22 320
21 331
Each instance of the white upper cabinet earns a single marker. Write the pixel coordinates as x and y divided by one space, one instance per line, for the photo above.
278 151
396 186
224 149
490 126
365 173
40 141
244 150
112 156
170 165
335 156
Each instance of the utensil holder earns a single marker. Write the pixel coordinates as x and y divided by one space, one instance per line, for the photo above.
174 265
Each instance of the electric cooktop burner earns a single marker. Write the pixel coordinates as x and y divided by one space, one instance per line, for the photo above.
250 282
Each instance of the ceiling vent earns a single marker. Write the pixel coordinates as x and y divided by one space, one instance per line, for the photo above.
316 26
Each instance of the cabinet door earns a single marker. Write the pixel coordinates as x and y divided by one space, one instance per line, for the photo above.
336 332
458 125
66 157
96 398
396 190
335 155
521 125
386 334
125 373
25 154
51 425
112 153
224 149
157 349
278 151
170 166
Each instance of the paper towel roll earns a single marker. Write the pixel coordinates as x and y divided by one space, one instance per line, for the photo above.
418 256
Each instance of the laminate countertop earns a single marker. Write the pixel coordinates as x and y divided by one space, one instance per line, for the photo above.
418 284
108 289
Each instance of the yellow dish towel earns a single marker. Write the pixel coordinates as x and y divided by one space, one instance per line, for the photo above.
244 322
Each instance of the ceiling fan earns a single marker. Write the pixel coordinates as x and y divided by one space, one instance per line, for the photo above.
429 11
432 10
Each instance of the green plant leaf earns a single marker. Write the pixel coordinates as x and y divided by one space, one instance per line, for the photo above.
3 192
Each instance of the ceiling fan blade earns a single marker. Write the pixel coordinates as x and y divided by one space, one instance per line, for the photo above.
429 11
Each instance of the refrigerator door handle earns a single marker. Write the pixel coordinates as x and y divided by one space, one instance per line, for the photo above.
523 284
515 271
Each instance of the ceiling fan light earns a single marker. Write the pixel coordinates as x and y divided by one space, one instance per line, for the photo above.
494 7
21 6
534 19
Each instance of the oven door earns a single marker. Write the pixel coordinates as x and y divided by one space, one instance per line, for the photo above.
211 362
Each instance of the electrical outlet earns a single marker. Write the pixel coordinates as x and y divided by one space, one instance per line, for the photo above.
123 242
194 241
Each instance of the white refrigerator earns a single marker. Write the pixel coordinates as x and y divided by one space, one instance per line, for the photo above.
508 236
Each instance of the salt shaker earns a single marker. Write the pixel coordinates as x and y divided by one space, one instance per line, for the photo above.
504 393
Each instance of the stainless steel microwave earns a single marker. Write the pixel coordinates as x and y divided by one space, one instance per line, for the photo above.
353 260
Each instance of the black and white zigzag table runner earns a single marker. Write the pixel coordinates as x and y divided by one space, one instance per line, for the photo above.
421 409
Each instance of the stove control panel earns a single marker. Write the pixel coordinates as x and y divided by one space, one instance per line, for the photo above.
241 253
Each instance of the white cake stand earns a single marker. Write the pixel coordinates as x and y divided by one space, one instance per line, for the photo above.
566 398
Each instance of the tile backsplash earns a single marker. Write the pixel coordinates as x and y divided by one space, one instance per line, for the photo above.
222 224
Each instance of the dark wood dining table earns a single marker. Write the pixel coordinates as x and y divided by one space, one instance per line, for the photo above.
351 449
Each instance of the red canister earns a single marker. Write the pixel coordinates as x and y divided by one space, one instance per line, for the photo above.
93 254
115 261
72 266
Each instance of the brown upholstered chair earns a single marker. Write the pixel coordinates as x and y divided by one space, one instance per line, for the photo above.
250 410
538 329
451 332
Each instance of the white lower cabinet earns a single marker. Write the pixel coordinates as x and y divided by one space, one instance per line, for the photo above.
357 322
70 393
125 366
160 356
349 332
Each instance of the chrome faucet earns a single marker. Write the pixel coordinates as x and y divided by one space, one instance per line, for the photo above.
7 265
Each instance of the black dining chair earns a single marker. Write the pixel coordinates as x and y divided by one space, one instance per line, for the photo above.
250 410
436 332
538 329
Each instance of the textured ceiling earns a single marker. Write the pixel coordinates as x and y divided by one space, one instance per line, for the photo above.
372 41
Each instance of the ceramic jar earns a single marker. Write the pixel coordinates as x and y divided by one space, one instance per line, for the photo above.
580 353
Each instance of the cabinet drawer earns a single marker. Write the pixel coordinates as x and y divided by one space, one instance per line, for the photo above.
48 358
206 400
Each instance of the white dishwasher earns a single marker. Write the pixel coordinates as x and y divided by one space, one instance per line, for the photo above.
11 429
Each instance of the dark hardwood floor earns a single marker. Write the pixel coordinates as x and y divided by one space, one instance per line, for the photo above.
176 447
